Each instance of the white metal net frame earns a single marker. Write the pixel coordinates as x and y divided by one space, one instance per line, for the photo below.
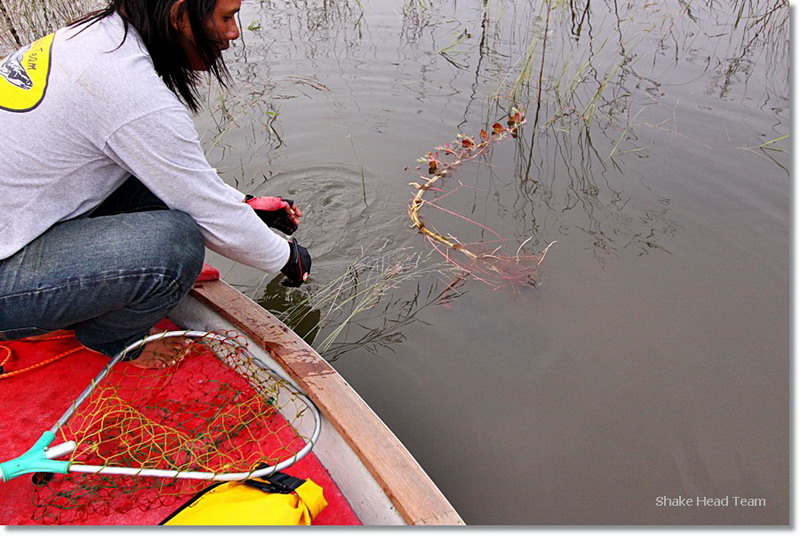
299 400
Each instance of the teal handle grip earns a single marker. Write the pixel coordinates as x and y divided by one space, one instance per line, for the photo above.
34 461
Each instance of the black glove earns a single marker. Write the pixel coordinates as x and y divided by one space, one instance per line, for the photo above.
298 267
272 211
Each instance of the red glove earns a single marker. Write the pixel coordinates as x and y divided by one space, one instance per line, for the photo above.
276 212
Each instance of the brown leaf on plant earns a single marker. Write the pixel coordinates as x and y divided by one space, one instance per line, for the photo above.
513 120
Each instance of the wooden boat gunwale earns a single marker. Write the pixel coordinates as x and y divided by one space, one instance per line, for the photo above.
381 479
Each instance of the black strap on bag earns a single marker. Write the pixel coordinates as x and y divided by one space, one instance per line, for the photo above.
275 483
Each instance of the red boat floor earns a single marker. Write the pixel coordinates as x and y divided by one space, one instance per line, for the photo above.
32 401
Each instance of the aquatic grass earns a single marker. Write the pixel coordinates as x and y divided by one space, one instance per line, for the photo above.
358 22
564 79
762 148
590 83
327 15
6 19
28 20
417 13
360 167
755 15
448 51
232 121
622 137
526 71
344 302
766 144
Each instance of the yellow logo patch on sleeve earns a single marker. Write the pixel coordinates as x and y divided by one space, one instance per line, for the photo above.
24 74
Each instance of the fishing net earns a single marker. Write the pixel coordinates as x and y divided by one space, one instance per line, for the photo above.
217 411
499 263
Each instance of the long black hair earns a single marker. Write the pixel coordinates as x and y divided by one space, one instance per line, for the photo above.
151 19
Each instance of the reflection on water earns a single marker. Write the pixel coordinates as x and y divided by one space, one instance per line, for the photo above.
653 359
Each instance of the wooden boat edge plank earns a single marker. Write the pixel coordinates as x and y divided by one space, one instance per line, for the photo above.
402 479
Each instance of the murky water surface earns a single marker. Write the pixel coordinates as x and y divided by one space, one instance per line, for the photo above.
652 358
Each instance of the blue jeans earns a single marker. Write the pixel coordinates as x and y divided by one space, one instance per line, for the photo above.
110 277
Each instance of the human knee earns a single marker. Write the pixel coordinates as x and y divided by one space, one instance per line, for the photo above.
181 244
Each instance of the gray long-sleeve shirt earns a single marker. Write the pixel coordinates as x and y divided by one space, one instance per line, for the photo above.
79 117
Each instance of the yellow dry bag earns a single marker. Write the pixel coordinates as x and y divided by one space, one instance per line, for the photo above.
279 499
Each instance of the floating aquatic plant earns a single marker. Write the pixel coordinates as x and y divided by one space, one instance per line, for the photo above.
483 260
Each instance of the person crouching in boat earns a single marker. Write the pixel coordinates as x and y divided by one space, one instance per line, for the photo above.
106 197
